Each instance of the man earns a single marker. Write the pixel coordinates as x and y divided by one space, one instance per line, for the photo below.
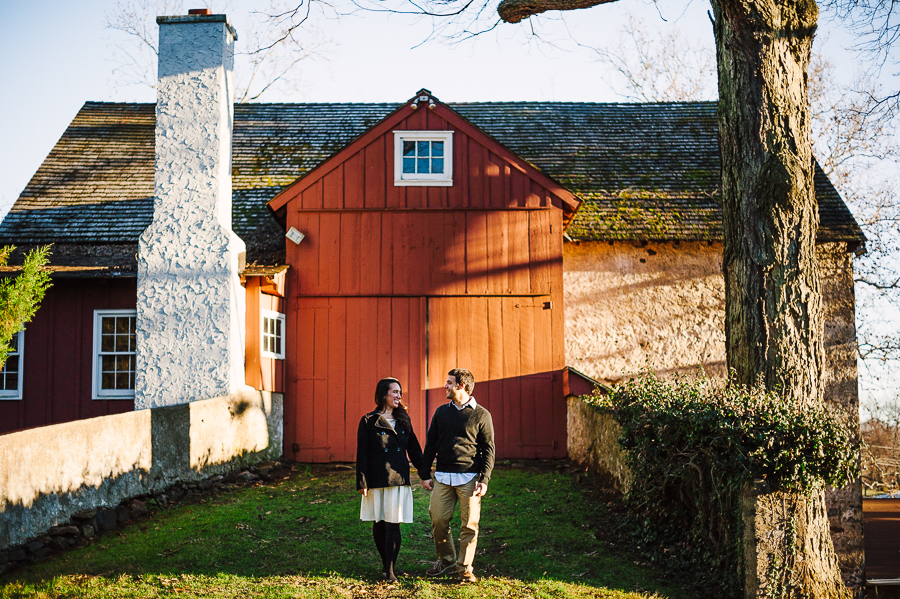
462 437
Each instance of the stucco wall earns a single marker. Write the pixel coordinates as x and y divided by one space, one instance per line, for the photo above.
49 473
630 304
626 303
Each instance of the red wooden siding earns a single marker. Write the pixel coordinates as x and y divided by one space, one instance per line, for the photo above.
341 347
484 288
507 343
58 352
423 252
345 345
485 174
266 374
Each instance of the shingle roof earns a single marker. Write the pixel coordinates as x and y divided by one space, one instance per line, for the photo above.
644 171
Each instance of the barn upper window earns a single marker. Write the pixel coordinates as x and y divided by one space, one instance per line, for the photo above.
114 354
423 158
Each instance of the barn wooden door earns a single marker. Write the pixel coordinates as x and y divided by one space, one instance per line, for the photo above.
506 343
339 349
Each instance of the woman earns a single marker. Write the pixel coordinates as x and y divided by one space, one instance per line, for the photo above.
384 440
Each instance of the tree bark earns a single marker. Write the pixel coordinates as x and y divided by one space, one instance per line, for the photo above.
773 323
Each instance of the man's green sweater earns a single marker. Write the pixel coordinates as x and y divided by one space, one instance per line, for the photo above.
462 440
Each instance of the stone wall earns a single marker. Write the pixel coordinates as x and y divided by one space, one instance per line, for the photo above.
47 474
627 303
841 390
593 442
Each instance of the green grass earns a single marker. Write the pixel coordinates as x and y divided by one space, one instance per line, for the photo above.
302 537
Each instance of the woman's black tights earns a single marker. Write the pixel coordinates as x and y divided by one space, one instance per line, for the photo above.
387 540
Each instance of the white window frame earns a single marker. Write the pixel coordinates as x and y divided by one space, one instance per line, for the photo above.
444 179
97 392
16 394
278 317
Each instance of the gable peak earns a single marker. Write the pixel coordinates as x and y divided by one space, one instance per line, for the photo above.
423 97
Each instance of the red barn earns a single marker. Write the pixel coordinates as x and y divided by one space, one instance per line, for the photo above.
458 263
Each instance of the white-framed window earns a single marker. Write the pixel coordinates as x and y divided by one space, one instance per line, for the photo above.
114 354
11 373
272 337
423 158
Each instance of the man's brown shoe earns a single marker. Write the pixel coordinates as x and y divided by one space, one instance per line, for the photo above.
438 568
466 576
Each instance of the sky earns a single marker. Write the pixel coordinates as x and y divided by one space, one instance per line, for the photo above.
57 55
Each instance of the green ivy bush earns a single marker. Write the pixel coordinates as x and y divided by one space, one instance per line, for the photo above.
694 444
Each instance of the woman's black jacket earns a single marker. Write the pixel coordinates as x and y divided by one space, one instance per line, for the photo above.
381 451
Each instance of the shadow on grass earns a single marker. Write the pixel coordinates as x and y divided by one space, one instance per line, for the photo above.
538 537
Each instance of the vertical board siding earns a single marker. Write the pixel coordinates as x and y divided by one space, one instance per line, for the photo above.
423 253
253 374
348 345
263 373
482 178
58 352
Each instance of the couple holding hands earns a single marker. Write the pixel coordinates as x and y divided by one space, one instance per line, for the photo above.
461 436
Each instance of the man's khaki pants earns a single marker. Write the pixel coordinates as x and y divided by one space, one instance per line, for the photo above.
443 502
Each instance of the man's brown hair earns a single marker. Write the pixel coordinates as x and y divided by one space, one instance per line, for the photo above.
463 377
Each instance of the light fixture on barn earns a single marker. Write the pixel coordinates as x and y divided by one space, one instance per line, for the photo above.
294 235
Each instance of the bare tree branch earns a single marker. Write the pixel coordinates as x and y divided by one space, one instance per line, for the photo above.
513 11
273 52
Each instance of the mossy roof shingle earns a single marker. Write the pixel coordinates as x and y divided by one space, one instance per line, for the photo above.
644 171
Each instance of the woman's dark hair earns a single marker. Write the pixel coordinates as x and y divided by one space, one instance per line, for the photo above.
381 391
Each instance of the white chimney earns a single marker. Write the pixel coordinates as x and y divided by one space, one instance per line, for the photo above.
190 303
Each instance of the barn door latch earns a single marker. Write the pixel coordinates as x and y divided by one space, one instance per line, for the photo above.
543 306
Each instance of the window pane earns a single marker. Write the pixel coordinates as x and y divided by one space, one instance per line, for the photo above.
121 325
437 148
107 364
122 380
125 363
409 148
277 323
14 344
108 381
437 165
107 325
11 365
107 343
422 149
277 349
422 166
122 343
409 165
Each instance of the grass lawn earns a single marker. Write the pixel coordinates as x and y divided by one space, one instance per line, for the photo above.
301 537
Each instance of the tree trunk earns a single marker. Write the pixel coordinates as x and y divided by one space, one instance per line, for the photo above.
773 323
